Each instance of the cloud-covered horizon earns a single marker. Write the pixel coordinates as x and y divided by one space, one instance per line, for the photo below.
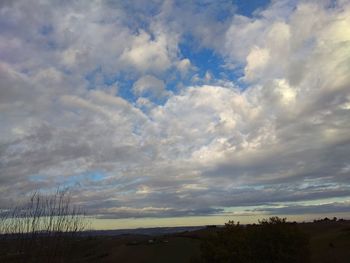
177 108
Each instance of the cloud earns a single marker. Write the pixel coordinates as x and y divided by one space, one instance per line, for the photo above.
148 55
256 60
80 91
184 66
149 85
127 212
330 208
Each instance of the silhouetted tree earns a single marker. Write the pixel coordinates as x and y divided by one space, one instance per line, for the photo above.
275 240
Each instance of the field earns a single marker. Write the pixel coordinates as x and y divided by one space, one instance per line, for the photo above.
329 242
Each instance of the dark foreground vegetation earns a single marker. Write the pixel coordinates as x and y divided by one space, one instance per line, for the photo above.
271 241
50 229
40 230
322 241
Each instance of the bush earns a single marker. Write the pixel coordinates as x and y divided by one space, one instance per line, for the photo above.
40 228
272 240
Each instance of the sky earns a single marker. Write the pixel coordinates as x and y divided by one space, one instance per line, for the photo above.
163 113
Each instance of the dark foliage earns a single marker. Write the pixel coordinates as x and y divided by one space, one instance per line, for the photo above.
41 230
271 241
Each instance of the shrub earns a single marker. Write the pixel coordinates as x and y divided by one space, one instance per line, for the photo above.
40 228
272 240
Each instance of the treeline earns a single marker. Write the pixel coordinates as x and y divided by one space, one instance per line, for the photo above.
326 219
273 240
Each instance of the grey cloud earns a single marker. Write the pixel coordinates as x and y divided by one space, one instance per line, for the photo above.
150 85
158 212
309 209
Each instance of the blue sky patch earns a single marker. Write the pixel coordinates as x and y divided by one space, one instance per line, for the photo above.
247 8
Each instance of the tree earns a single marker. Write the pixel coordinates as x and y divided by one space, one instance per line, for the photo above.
229 244
275 240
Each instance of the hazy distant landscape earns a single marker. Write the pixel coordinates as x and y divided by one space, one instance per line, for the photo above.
200 131
327 241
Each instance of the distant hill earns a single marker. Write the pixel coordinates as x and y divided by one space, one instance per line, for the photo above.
154 231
